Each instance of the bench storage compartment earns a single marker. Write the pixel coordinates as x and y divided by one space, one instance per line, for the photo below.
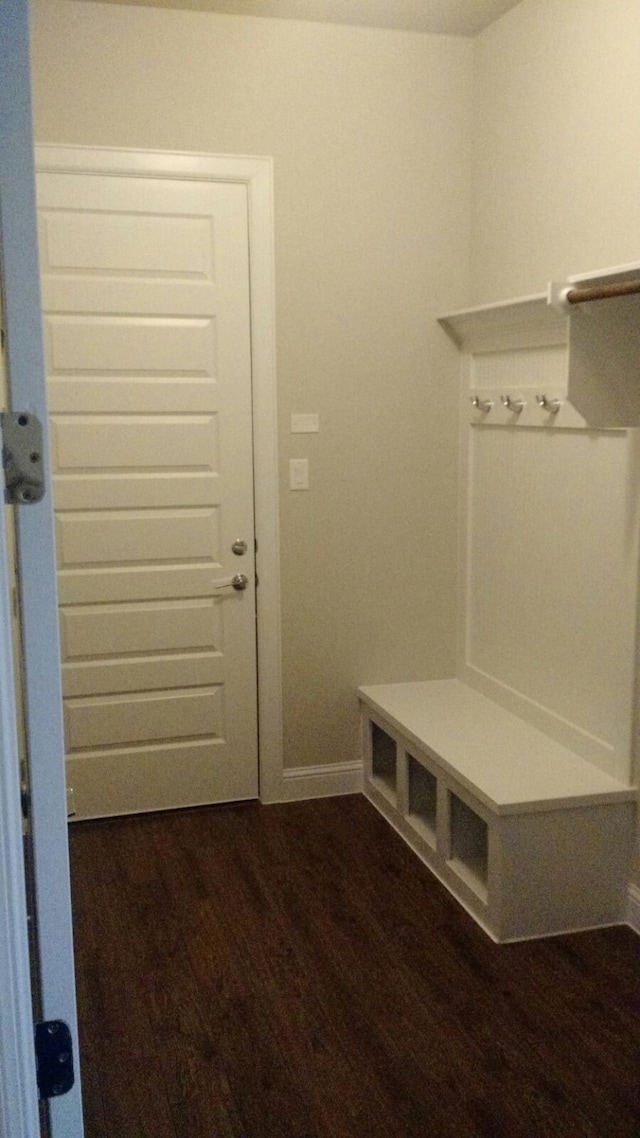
530 838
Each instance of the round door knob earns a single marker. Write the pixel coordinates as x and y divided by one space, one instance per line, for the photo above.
240 582
239 547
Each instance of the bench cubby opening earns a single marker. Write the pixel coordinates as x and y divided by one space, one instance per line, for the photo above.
384 761
469 845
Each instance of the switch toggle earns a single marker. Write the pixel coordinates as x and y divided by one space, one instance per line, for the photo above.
298 473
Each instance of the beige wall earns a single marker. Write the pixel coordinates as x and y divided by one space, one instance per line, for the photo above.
556 152
370 136
556 146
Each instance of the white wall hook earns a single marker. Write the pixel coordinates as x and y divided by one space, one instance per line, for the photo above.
516 406
483 405
552 406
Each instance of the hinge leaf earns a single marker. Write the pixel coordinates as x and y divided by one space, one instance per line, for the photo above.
22 457
54 1058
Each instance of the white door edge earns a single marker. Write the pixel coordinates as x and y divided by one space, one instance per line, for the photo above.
18 1091
256 173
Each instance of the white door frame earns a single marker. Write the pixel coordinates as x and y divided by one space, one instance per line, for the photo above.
257 175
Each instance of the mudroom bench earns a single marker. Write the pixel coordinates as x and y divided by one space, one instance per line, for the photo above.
529 837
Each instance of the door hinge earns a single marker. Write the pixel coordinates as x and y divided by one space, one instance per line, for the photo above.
54 1058
22 457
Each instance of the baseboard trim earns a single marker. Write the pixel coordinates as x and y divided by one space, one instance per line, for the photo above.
319 782
633 908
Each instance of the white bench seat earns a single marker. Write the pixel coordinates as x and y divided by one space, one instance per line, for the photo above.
507 764
530 837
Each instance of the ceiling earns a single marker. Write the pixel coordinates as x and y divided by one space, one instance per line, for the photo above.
450 17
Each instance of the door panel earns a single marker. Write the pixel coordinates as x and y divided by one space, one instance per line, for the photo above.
143 536
146 489
130 346
141 718
146 297
124 243
117 781
76 586
136 444
89 631
188 396
187 669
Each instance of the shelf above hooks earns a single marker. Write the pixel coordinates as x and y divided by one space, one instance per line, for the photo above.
602 374
526 322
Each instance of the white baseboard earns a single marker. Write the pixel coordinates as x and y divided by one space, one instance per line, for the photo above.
319 782
633 908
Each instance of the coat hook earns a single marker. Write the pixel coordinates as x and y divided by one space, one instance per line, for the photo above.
483 405
516 406
550 405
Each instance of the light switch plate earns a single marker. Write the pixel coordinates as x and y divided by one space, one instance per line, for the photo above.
306 423
298 474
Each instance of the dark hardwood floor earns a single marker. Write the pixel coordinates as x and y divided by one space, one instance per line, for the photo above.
295 972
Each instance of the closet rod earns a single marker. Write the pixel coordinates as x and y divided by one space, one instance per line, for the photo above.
601 292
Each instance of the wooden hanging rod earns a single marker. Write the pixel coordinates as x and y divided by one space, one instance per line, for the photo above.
601 292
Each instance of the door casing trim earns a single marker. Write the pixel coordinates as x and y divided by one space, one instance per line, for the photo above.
256 173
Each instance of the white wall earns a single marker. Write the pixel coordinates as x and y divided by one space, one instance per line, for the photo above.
556 154
370 135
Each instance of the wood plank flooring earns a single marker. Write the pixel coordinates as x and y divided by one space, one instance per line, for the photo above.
295 972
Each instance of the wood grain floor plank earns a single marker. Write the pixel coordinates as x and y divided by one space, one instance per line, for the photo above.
295 972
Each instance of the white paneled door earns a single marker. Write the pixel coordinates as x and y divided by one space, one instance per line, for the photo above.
147 340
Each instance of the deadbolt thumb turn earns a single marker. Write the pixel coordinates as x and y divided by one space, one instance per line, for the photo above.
239 547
